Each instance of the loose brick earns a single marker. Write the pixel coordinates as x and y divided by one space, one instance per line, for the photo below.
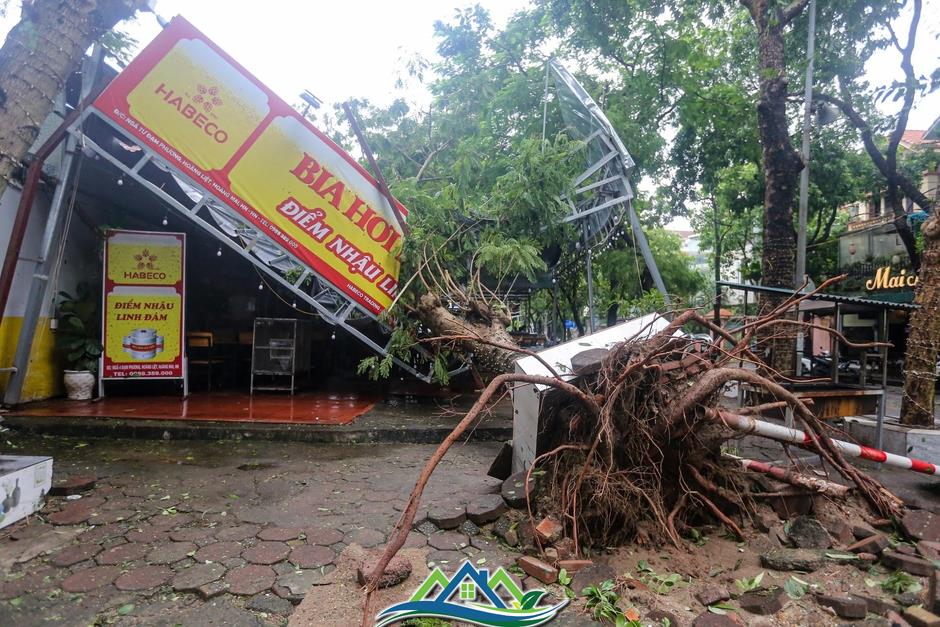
550 530
447 515
846 607
908 563
711 595
921 525
872 544
573 566
919 617
763 602
538 569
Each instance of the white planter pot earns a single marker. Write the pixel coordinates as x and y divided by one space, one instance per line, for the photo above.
79 384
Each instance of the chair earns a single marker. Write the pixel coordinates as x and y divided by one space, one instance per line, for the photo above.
199 348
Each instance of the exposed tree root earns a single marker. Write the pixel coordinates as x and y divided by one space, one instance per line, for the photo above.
634 452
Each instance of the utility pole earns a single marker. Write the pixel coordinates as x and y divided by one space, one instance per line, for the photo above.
800 273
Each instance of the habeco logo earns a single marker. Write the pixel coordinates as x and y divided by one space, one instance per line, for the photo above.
196 108
477 601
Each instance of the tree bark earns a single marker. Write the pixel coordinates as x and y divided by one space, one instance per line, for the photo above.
482 323
923 340
781 166
36 59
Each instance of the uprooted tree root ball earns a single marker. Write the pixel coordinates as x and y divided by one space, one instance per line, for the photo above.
628 474
633 452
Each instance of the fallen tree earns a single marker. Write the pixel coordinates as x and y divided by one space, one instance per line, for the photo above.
635 449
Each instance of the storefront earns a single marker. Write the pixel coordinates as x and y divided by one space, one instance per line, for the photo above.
205 236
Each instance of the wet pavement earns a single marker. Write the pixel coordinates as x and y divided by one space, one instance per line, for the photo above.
319 407
215 533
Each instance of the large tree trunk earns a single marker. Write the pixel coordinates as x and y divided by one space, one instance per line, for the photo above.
483 323
923 340
36 59
781 165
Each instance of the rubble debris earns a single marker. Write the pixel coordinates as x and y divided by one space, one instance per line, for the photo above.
708 619
397 571
514 491
535 567
917 616
549 530
574 566
862 531
876 544
805 560
711 595
764 602
633 451
908 563
808 533
844 606
920 524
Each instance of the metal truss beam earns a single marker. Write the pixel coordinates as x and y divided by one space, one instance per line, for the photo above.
247 239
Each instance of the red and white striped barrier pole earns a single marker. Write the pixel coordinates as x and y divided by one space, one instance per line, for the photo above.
801 438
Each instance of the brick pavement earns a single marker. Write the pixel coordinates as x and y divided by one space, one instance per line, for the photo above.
182 532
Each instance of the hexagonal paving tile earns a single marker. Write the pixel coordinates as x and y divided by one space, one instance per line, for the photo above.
198 575
250 580
448 541
266 552
143 578
147 533
279 534
237 534
324 537
191 534
121 553
90 578
365 537
170 552
72 513
218 551
311 556
74 554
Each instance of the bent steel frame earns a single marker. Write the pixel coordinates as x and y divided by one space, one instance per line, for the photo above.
216 218
602 193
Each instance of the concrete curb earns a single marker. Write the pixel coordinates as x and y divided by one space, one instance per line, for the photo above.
75 426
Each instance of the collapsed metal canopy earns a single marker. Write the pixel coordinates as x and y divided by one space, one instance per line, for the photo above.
144 166
602 193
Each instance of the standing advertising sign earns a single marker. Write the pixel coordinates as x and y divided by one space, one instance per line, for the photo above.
184 98
143 298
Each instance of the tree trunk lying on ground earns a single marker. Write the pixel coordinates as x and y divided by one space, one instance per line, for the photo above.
481 333
634 453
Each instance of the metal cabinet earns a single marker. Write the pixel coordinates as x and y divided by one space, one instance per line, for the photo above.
280 353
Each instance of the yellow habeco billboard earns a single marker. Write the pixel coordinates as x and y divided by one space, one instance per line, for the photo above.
144 289
187 100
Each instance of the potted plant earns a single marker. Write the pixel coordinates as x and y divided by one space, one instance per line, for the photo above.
77 336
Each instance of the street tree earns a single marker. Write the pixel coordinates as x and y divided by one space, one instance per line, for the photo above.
37 57
854 99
